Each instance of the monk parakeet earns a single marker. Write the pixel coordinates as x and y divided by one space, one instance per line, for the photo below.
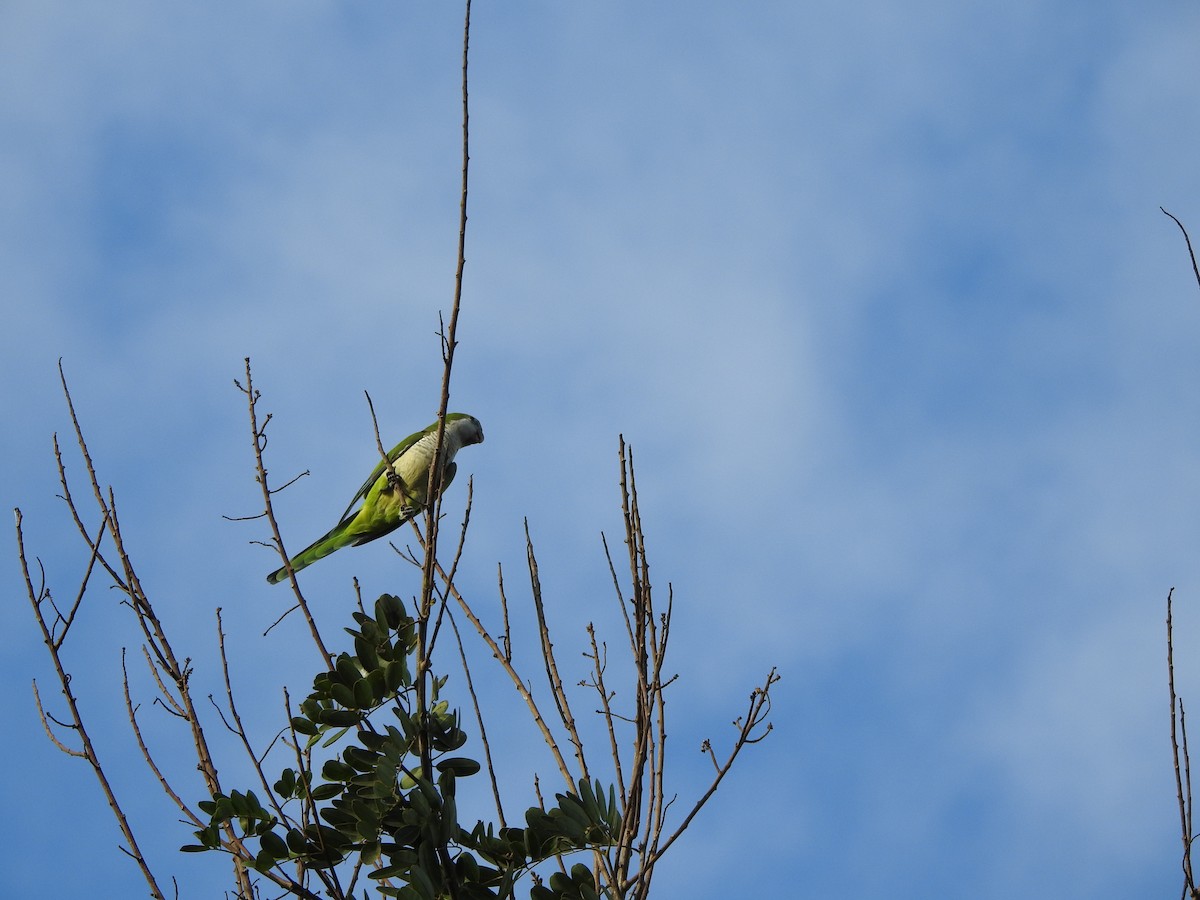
384 508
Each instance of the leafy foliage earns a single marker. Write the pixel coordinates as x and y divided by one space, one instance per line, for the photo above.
374 799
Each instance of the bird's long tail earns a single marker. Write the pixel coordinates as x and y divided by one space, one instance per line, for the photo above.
337 538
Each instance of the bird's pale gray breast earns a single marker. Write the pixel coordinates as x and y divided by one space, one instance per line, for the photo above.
415 461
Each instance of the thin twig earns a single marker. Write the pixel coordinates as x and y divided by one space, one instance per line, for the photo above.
561 702
599 659
240 730
1188 241
487 747
93 556
393 477
506 637
131 714
258 435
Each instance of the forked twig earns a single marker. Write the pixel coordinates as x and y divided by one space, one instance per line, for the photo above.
258 434
88 749
748 733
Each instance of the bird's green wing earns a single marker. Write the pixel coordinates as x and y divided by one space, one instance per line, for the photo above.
393 455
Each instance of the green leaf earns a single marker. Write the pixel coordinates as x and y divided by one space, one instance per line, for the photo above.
255 807
461 766
420 880
407 782
343 695
573 808
560 882
326 846
274 844
326 791
347 669
296 842
264 862
372 740
336 770
364 694
420 804
369 630
379 688
339 734
388 872
341 820
286 785
397 675
367 654
407 726
572 830
448 819
382 787
340 718
466 867
389 611
362 760
588 799
399 855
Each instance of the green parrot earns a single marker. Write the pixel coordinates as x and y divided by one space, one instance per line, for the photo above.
384 508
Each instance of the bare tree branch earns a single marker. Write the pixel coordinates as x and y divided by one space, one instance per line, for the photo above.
88 751
258 435
1188 241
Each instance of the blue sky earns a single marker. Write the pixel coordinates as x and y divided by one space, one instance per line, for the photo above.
880 294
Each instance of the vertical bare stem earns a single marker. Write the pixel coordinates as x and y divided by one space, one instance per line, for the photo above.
433 507
1179 755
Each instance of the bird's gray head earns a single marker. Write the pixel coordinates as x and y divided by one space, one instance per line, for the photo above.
466 428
